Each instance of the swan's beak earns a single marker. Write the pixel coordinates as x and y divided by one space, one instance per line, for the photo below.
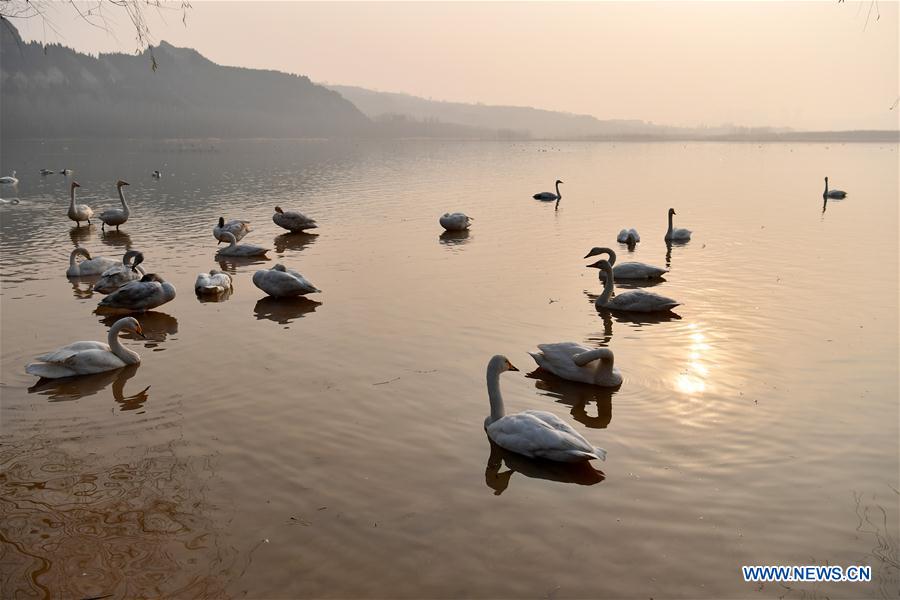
595 265
512 367
140 332
593 252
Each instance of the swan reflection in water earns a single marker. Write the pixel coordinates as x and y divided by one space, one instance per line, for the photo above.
455 238
79 235
230 264
116 239
578 396
83 287
581 473
220 297
293 241
157 326
75 388
284 310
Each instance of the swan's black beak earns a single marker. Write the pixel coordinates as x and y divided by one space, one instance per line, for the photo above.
593 252
512 367
140 332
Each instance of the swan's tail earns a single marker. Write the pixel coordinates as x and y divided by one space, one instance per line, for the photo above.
49 371
601 453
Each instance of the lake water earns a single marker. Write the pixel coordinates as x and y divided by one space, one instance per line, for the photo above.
334 447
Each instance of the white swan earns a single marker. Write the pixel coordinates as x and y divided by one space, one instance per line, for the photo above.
78 212
212 283
455 221
9 178
549 196
282 283
676 235
116 216
244 250
835 194
236 228
86 358
117 276
292 221
148 292
532 433
577 363
90 266
628 270
628 236
633 301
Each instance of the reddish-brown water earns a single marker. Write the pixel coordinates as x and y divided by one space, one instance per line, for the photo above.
334 447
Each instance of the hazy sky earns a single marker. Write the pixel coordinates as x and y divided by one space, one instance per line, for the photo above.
812 65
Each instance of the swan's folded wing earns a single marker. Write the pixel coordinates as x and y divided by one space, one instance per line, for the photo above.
561 352
132 293
61 354
538 433
304 282
93 361
643 298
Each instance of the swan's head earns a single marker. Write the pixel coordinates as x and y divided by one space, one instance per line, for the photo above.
600 264
132 325
596 250
152 277
120 183
221 221
500 363
137 258
278 210
279 267
559 181
75 184
671 211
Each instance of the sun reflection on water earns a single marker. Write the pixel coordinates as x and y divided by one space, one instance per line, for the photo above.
693 379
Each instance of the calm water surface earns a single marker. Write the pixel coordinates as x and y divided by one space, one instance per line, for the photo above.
334 447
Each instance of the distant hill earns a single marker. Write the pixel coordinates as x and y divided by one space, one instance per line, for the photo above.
514 121
62 93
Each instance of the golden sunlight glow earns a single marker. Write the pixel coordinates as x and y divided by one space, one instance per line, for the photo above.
692 380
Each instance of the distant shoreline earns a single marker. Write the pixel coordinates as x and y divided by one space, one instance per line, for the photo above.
817 137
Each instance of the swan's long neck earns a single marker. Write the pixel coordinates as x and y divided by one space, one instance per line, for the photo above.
825 193
558 193
72 199
494 395
229 237
612 256
669 231
607 285
122 198
78 252
128 356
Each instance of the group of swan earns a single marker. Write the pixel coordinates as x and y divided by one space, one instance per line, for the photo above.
89 266
628 236
455 221
676 235
116 216
78 212
213 283
292 221
833 194
628 270
143 294
117 276
532 433
87 358
237 229
281 282
550 196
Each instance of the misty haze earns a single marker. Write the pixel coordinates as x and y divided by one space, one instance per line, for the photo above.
449 300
